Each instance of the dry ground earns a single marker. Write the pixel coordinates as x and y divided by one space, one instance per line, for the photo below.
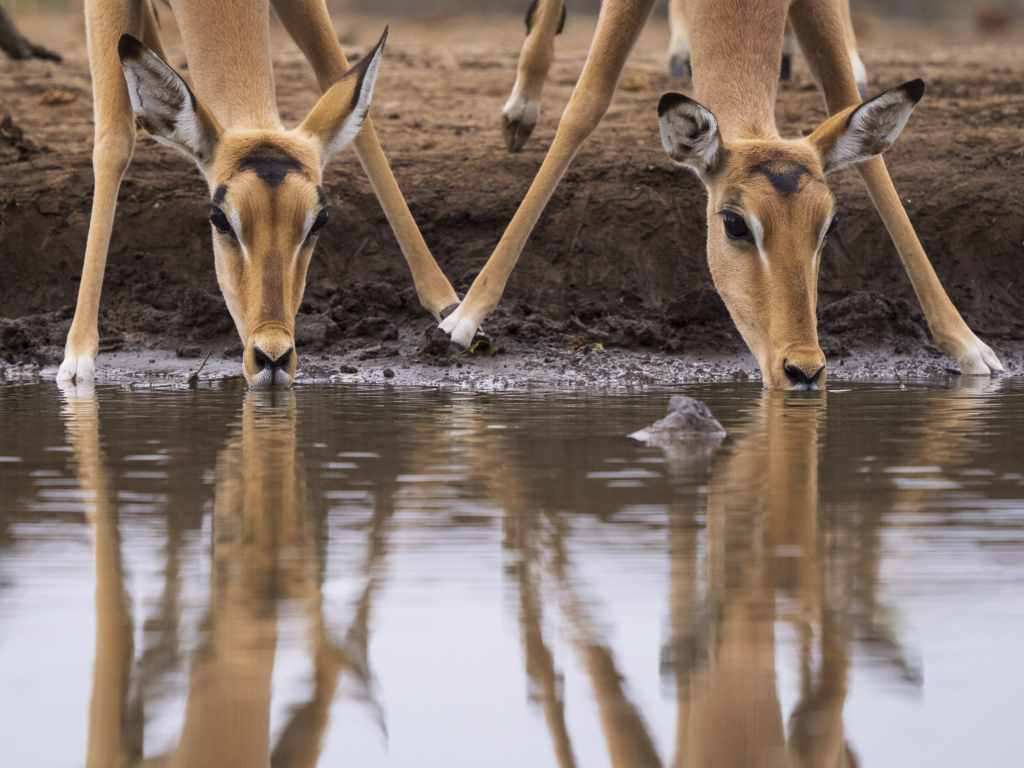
618 257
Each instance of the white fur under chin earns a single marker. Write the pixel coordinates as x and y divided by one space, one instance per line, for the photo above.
271 379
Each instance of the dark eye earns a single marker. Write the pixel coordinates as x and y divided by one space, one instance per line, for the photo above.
220 221
832 225
736 227
320 223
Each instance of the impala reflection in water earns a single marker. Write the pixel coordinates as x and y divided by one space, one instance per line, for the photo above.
387 577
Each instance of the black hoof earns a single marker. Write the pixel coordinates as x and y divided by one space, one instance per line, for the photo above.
435 343
786 72
516 133
680 67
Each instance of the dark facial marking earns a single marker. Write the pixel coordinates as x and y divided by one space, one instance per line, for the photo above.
220 194
321 196
270 168
785 178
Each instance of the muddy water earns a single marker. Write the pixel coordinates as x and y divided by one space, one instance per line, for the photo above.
379 576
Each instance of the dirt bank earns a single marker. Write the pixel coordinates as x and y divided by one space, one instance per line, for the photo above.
616 260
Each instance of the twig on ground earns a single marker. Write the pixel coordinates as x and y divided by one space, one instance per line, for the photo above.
193 378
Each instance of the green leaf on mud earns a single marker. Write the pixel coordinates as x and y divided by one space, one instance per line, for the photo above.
597 346
478 347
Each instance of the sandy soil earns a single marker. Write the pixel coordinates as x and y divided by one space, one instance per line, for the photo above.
617 260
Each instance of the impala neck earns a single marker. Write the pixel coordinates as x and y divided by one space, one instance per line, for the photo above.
736 55
227 43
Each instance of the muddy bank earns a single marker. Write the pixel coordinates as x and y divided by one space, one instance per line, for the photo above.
617 260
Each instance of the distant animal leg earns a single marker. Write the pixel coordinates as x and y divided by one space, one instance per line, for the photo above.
544 20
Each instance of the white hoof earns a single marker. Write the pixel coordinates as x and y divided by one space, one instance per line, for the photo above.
523 111
518 119
860 74
460 327
77 369
978 359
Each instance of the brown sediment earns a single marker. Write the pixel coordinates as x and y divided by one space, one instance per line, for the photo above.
617 259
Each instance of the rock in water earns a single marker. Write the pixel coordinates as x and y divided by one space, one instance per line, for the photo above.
687 419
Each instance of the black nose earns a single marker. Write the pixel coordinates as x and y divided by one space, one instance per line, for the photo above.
263 359
798 377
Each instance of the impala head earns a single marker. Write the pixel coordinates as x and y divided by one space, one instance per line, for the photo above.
769 213
267 204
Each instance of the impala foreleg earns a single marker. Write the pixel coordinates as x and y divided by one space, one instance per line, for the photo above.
309 24
617 29
544 20
860 73
679 41
114 143
820 28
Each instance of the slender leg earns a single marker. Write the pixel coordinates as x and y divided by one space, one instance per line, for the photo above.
111 733
151 29
105 22
860 73
679 42
544 20
788 48
309 24
819 27
617 29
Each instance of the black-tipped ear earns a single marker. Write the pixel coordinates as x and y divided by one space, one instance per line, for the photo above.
866 130
914 89
164 104
340 113
129 48
671 100
689 133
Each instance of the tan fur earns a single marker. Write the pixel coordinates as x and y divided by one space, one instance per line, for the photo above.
262 552
735 55
227 46
519 116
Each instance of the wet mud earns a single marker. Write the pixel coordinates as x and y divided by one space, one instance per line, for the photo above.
615 274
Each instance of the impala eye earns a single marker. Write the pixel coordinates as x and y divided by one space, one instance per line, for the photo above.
220 221
736 227
832 225
320 223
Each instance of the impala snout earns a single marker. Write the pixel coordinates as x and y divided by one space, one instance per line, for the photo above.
801 368
270 359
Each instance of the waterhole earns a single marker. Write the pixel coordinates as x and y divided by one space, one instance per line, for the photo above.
358 575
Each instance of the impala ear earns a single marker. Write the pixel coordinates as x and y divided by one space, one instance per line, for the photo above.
689 133
866 130
164 104
340 113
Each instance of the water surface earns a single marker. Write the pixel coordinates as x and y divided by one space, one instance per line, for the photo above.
355 575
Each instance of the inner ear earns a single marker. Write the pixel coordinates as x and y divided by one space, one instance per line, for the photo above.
340 113
689 133
164 104
867 129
